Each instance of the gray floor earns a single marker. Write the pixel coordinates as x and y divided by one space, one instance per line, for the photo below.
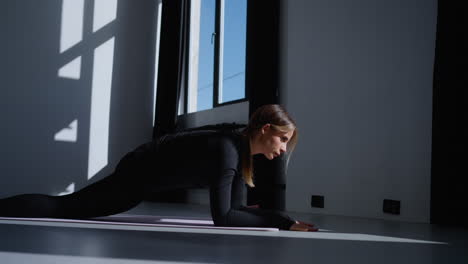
340 240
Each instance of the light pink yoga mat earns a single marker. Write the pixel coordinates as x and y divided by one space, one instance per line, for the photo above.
144 220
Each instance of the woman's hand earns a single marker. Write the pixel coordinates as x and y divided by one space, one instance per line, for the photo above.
301 226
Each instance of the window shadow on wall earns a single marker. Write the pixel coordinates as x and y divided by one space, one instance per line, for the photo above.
77 89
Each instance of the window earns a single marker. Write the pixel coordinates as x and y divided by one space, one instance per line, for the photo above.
216 54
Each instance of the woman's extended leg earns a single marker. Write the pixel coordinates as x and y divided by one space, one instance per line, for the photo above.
29 205
111 195
116 193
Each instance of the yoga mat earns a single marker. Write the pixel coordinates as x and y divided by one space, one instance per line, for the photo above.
144 220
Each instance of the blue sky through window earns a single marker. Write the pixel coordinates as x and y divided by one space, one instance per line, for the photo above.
206 55
234 52
234 49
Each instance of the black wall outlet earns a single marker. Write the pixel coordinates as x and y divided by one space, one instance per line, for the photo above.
391 206
317 201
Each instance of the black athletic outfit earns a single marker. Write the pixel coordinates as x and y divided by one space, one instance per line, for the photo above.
180 160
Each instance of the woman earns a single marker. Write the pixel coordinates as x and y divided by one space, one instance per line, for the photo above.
219 159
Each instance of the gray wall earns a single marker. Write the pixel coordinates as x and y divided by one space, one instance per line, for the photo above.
36 103
357 76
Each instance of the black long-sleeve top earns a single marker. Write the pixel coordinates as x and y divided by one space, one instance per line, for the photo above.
207 159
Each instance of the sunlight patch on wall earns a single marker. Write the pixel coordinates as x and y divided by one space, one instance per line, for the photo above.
71 70
70 189
72 23
100 107
68 134
156 67
105 12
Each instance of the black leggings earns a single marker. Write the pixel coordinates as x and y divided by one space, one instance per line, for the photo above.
116 193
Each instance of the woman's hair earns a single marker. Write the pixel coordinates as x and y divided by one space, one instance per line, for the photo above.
279 119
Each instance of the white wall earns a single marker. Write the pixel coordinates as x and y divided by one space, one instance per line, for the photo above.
357 77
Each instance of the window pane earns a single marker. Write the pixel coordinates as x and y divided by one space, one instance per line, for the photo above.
235 19
201 55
